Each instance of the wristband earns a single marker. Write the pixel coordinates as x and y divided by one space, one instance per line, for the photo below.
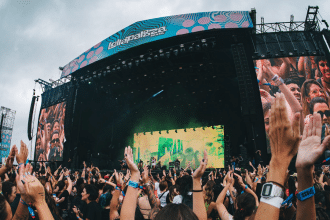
20 164
29 208
273 201
117 188
305 194
197 190
133 184
246 186
174 174
256 180
288 200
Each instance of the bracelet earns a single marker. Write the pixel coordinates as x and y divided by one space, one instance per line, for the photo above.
197 190
29 208
20 164
256 180
117 188
306 194
246 186
278 184
273 201
133 184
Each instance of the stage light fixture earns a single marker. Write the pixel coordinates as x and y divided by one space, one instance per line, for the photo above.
143 60
130 65
156 57
125 66
168 54
182 50
176 52
149 59
203 40
204 45
191 48
161 51
198 47
137 62
161 55
290 53
114 69
118 68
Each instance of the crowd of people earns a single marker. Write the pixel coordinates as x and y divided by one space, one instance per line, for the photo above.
295 97
270 192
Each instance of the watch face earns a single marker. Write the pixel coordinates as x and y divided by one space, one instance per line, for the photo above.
267 190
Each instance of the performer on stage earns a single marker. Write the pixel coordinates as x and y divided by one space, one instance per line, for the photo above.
153 163
140 164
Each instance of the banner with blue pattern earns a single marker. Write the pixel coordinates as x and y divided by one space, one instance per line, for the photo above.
156 29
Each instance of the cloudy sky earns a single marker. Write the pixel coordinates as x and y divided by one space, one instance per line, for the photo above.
38 36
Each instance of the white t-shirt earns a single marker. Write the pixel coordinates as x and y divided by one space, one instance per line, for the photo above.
163 198
178 199
157 187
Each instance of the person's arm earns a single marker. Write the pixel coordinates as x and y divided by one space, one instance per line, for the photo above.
198 200
248 190
223 213
154 204
35 190
114 214
310 149
69 188
9 161
284 138
285 68
248 178
129 204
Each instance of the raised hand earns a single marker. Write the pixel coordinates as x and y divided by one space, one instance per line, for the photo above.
284 136
130 162
239 179
202 167
10 158
145 177
23 153
34 189
310 148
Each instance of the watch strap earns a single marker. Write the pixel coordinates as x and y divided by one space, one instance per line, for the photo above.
273 201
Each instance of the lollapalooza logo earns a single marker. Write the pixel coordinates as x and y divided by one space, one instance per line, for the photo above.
147 33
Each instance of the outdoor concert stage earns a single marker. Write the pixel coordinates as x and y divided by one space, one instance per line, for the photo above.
167 76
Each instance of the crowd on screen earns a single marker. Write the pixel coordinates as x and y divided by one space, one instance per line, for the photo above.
296 123
50 135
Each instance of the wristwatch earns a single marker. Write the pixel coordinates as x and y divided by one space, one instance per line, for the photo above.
270 190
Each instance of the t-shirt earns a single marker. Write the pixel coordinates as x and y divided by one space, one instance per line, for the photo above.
64 204
157 187
162 198
93 211
179 199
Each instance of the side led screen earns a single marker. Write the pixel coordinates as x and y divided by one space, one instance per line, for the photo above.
50 135
186 145
304 81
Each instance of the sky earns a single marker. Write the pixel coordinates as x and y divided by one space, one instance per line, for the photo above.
38 36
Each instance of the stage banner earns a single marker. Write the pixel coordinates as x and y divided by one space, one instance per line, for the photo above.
186 145
8 117
156 29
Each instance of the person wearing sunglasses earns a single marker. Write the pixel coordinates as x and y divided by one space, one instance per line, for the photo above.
320 105
54 147
323 67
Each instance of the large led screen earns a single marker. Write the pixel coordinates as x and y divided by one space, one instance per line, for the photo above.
304 81
186 145
50 134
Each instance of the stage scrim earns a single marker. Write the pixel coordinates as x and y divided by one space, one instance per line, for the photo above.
187 145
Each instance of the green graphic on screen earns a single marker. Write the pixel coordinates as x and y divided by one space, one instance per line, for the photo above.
187 145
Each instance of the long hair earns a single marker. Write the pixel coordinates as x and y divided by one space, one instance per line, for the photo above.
3 208
176 211
305 90
209 191
246 205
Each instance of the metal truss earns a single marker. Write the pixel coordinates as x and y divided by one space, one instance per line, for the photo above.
311 23
53 83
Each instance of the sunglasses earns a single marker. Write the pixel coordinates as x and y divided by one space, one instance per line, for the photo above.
323 64
326 113
55 140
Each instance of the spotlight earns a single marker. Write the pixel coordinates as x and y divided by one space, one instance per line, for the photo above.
114 69
149 59
176 52
137 62
198 47
130 65
203 40
191 48
143 60
204 45
161 51
118 68
156 57
182 50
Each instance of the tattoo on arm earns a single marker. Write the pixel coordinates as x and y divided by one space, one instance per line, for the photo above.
153 202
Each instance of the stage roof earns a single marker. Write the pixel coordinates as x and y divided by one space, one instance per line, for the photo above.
146 31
